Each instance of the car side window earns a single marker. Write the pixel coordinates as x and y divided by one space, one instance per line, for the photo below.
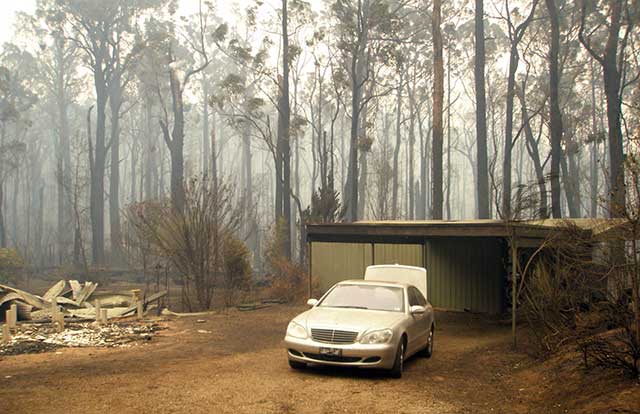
413 298
421 299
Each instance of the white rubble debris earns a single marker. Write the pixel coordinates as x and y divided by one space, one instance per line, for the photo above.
37 338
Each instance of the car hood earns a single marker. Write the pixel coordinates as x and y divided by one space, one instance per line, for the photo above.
348 319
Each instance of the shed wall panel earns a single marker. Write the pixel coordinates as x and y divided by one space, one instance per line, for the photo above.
404 254
333 262
465 274
462 273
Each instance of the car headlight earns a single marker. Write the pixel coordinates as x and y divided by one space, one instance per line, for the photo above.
377 337
296 330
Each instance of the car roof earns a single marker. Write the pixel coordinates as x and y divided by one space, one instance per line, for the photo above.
373 283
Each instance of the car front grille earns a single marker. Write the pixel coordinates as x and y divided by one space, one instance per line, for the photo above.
331 358
333 336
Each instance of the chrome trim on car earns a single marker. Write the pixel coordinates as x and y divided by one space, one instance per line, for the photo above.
333 336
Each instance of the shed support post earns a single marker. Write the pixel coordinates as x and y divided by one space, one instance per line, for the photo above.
514 286
97 307
14 316
104 316
424 255
6 334
373 253
310 270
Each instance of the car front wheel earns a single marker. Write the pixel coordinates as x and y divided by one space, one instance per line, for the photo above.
428 349
398 365
297 365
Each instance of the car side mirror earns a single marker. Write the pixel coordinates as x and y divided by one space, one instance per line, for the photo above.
312 302
417 309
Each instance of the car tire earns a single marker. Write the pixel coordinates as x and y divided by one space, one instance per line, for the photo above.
297 365
398 365
428 349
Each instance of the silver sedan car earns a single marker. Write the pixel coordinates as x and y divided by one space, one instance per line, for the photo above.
363 323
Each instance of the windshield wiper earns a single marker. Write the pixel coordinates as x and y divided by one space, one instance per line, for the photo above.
351 307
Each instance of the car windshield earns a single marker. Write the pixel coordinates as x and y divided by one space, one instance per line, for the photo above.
385 298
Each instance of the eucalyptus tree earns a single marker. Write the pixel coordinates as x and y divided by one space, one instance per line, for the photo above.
56 60
533 145
515 31
241 100
267 90
409 72
152 88
367 30
210 145
479 58
185 46
63 83
126 49
398 133
283 146
102 32
29 141
16 97
382 174
300 16
555 115
454 71
574 106
482 173
595 138
419 98
438 103
606 37
548 91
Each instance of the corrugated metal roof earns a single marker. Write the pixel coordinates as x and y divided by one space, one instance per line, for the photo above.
429 222
417 231
597 226
398 231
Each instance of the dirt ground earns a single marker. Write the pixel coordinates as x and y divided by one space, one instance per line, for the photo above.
236 364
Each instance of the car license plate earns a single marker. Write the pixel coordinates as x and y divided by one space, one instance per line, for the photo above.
331 351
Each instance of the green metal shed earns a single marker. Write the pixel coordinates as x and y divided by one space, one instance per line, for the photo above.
467 262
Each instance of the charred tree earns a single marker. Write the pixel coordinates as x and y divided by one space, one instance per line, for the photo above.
438 98
611 60
482 174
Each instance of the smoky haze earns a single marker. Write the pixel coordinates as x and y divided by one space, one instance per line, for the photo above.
293 112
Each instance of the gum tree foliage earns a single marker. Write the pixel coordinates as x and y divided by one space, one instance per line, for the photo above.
105 34
183 45
258 98
57 60
367 33
606 30
17 97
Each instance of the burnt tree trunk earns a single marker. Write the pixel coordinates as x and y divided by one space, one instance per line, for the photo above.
175 142
438 98
555 115
594 148
534 153
115 102
63 151
99 156
357 71
482 174
412 138
611 64
396 150
284 150
508 132
206 150
515 35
